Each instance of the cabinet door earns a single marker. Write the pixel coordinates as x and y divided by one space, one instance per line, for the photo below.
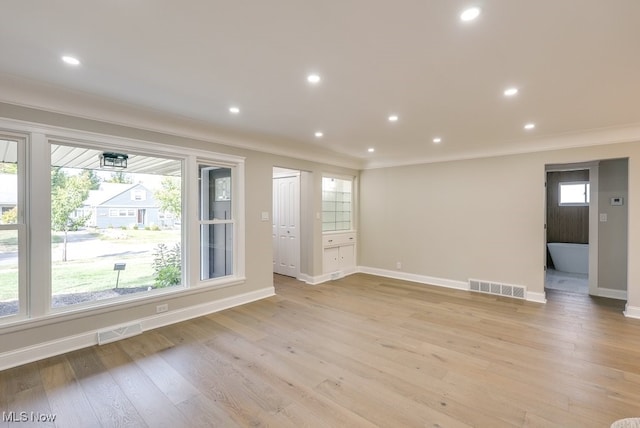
331 259
347 256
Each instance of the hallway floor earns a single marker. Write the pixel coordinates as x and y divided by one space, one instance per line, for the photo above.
564 281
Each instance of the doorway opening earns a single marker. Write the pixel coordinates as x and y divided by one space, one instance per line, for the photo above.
567 228
286 222
586 228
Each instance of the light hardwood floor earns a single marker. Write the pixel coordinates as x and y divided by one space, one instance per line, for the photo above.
361 351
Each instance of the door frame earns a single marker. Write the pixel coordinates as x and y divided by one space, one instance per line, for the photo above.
280 172
593 168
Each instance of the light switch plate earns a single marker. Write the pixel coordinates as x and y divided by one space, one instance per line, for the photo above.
264 216
603 217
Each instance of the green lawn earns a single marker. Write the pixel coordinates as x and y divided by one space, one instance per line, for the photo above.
96 273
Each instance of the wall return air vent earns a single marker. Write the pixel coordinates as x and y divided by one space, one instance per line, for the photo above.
498 289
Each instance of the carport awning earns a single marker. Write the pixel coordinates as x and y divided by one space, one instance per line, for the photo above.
80 157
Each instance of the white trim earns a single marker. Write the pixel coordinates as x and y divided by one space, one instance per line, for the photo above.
440 282
315 280
587 138
423 279
533 296
594 226
23 93
610 293
80 138
40 351
632 311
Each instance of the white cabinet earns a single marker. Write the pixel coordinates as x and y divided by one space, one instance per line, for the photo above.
339 252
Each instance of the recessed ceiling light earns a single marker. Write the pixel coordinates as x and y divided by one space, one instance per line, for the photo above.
318 134
437 140
234 110
313 78
393 118
371 150
470 14
509 92
70 60
529 126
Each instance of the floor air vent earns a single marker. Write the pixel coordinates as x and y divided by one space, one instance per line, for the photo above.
498 289
109 336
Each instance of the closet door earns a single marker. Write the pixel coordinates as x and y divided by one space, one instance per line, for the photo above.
286 230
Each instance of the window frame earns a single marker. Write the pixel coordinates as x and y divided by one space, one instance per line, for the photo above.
587 193
20 226
236 164
35 187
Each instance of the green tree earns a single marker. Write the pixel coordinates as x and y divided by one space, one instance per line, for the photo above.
68 193
92 177
120 177
169 196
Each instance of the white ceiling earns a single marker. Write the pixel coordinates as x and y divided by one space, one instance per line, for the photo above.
575 62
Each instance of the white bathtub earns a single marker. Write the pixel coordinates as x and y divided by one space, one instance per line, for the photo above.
573 258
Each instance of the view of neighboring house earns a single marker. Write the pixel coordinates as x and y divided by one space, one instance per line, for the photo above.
122 205
8 195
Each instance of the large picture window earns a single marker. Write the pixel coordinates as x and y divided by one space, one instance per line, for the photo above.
135 249
117 234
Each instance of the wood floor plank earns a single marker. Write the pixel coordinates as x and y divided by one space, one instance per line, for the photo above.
65 395
361 351
110 404
151 403
146 350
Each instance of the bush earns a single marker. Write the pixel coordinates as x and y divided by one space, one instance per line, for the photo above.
167 265
135 227
123 227
10 216
155 227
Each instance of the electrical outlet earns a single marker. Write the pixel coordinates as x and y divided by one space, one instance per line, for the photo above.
162 308
398 265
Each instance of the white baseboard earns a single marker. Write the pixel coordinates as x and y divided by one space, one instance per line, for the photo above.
315 280
610 293
423 279
632 311
441 282
533 296
71 343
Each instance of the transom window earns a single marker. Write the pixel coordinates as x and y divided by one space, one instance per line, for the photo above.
575 193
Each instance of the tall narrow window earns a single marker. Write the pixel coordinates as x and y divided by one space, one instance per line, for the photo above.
107 243
336 204
12 229
216 221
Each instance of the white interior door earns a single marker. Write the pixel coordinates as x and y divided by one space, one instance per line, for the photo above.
286 230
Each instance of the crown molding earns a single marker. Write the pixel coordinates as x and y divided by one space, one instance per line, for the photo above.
41 96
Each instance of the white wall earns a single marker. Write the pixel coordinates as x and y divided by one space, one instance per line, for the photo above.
480 218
